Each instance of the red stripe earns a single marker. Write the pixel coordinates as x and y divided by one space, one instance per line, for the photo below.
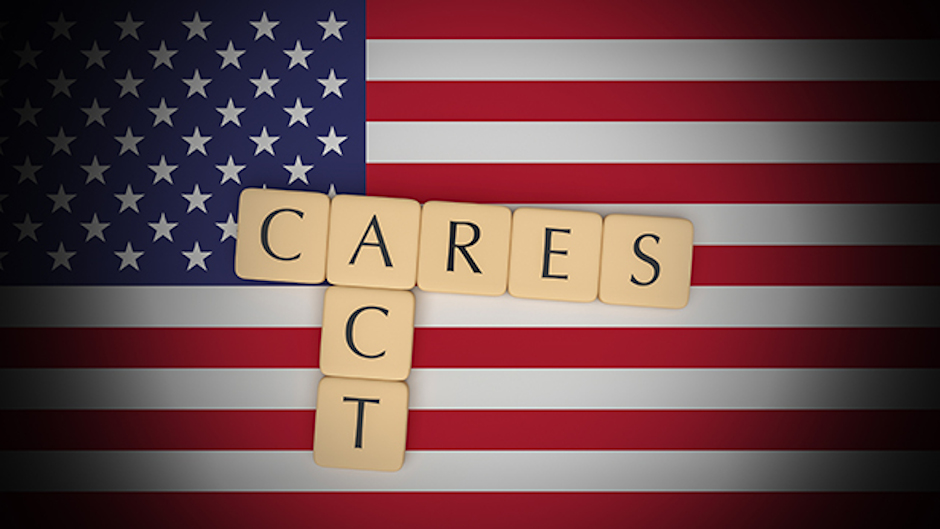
484 430
658 183
482 348
652 101
664 19
815 265
457 510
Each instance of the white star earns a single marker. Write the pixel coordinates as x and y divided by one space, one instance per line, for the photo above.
331 27
129 142
162 113
28 171
162 56
28 113
230 56
129 257
27 228
162 228
197 28
129 199
298 171
129 84
264 84
60 200
129 27
331 142
297 56
331 84
229 228
197 85
162 170
95 55
230 171
61 27
196 199
61 257
95 170
28 56
332 192
230 113
61 85
264 142
298 113
61 142
197 142
264 27
95 228
95 113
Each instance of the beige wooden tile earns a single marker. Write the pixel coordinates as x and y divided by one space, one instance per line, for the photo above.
373 242
555 254
367 333
647 261
360 424
464 248
282 235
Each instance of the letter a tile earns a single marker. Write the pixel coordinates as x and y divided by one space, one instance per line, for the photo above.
282 235
647 261
555 254
360 424
367 333
373 242
464 248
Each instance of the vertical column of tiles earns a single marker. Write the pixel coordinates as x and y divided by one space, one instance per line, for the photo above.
646 261
464 248
282 235
555 254
373 242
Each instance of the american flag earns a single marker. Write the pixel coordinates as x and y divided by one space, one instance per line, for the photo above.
143 384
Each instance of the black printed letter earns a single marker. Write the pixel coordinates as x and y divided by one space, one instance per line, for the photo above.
373 225
360 416
266 225
452 245
547 251
645 258
349 330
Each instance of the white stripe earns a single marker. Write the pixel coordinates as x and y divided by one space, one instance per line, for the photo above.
651 142
642 60
302 306
488 389
778 471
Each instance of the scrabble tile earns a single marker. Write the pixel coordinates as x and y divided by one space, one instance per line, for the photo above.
373 242
282 235
555 254
464 248
360 424
647 261
367 333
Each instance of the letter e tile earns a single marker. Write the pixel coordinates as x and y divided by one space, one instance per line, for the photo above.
360 424
647 261
367 333
555 254
282 235
373 242
464 248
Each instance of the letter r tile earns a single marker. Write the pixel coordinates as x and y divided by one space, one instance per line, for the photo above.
373 242
647 261
360 424
282 235
367 333
555 254
464 248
